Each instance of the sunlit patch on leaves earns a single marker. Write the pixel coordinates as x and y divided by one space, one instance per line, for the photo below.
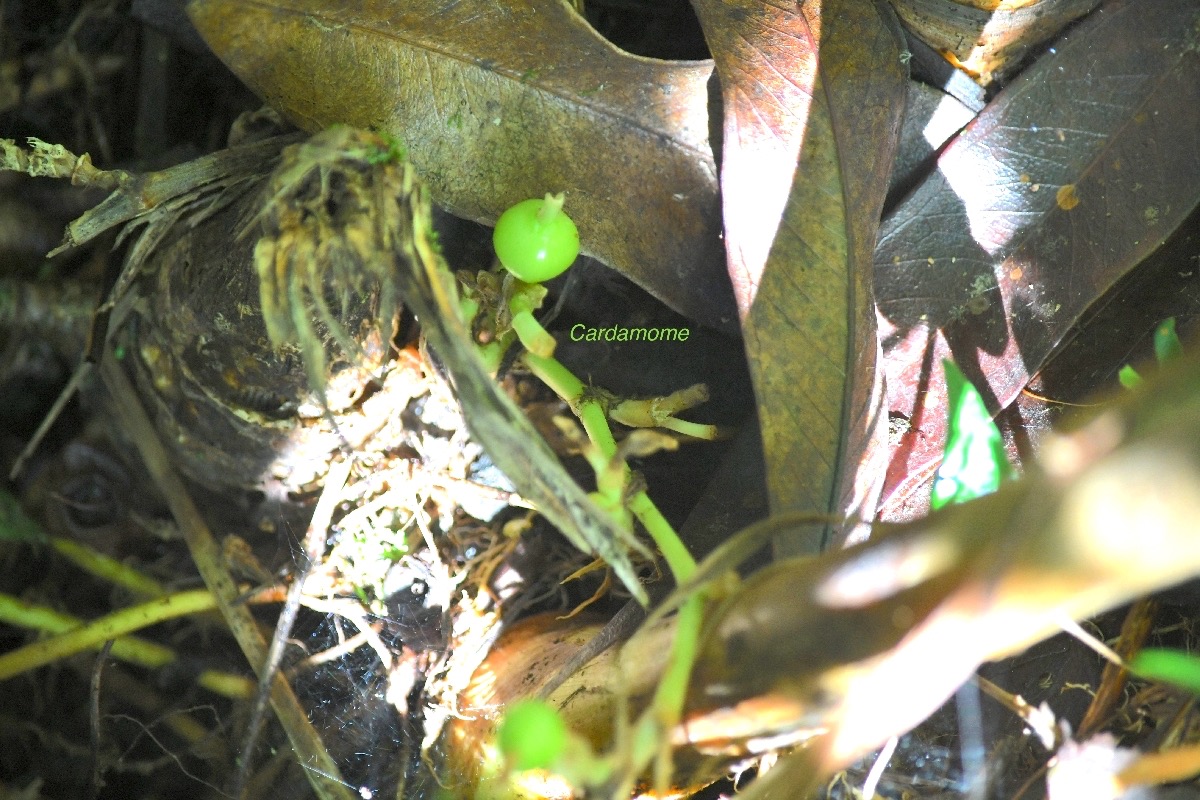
975 463
1014 233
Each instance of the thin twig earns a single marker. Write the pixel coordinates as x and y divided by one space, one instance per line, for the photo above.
97 782
1100 648
1134 632
314 550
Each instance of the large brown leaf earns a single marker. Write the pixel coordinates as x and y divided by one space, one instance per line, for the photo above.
1076 172
812 101
501 100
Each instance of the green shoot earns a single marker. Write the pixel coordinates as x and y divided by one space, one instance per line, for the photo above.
535 241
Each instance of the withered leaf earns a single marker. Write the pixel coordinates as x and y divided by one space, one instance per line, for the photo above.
499 101
1076 172
812 102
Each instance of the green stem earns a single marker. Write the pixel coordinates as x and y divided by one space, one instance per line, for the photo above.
563 383
492 354
648 741
107 568
694 429
672 690
531 333
561 380
595 424
671 694
678 559
648 412
658 412
591 413
551 207
525 299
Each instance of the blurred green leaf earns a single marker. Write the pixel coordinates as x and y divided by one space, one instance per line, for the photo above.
1166 341
975 462
1129 377
15 524
1168 666
532 735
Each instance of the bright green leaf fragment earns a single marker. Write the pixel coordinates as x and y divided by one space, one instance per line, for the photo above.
1168 666
1129 377
15 524
1166 347
1166 341
532 735
975 462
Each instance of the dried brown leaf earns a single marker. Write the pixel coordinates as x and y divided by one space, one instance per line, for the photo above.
812 100
497 102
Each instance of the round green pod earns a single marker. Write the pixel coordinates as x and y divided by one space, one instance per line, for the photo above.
535 240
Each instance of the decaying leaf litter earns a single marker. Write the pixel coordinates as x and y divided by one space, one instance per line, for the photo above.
1033 245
